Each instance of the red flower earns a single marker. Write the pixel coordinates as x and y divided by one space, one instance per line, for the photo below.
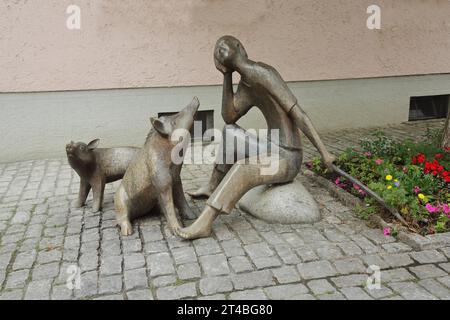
438 156
419 158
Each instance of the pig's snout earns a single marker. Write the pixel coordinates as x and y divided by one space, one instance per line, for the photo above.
70 148
193 106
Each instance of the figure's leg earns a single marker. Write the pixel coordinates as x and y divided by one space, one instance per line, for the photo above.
241 178
98 189
180 201
85 187
226 156
168 207
122 212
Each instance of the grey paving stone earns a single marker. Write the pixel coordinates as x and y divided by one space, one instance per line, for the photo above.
258 250
240 264
253 279
61 292
349 265
156 247
266 262
316 269
435 288
232 248
142 294
49 256
310 235
255 294
45 271
396 247
365 244
411 291
38 290
272 237
213 285
213 297
353 280
445 281
189 271
136 278
377 236
427 271
133 245
321 286
335 235
287 254
396 260
306 254
374 259
24 260
349 248
134 261
184 255
286 291
379 293
445 266
332 296
394 275
89 285
160 264
355 293
286 274
446 251
9 295
186 290
110 284
206 246
163 281
292 239
214 265
111 265
88 261
111 297
428 256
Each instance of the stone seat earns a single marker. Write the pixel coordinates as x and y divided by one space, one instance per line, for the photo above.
283 203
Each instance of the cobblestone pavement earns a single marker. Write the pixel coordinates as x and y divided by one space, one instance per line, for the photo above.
44 241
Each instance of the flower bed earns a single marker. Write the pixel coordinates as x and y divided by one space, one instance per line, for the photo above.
412 177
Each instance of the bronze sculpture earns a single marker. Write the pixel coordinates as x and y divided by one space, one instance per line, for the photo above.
261 86
96 167
153 177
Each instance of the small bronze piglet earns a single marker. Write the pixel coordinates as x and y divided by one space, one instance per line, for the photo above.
96 167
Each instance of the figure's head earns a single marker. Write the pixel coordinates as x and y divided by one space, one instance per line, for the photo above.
81 152
180 122
228 52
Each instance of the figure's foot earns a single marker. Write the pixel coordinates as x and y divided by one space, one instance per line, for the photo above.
203 192
79 204
201 228
96 208
126 229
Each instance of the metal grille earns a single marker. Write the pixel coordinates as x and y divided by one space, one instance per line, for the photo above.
428 107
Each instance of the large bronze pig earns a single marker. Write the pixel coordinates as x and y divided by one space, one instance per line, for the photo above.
96 167
153 177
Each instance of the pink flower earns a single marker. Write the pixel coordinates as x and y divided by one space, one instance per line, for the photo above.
431 209
446 209
378 161
387 231
417 189
405 169
337 181
368 154
356 186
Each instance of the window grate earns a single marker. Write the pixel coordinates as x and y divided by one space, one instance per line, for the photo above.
428 107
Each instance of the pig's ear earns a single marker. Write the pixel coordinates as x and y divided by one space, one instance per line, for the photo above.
159 126
93 144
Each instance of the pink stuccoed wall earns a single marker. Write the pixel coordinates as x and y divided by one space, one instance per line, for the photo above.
160 43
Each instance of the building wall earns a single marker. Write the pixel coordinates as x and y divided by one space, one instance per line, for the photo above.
38 125
165 43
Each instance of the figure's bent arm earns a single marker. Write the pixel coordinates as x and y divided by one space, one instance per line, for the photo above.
305 124
234 105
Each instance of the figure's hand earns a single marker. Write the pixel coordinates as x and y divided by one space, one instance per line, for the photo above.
221 67
328 161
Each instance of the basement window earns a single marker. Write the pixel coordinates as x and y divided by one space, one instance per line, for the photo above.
204 120
428 107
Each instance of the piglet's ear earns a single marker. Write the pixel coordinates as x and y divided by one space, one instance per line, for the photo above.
93 144
159 126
